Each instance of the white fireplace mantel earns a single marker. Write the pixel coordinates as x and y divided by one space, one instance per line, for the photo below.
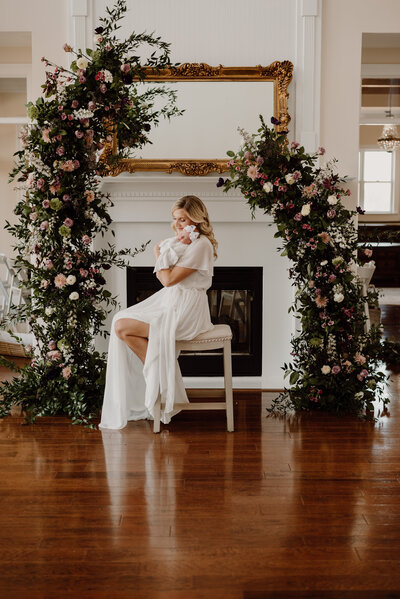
142 212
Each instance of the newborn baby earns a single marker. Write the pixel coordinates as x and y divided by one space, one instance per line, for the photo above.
172 249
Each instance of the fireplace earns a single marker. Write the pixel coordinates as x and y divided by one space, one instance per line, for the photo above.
235 298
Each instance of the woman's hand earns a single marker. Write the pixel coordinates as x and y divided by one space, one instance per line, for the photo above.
156 250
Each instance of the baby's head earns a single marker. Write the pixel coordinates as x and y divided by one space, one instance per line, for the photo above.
188 234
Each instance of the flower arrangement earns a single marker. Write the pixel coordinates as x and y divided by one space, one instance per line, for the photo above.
63 209
335 362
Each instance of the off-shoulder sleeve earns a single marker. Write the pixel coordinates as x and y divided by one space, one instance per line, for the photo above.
199 255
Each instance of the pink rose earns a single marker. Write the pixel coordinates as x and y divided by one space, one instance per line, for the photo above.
335 369
68 222
60 150
74 103
368 252
60 281
45 203
298 216
44 284
33 216
332 278
360 359
46 135
52 345
86 239
321 151
63 116
76 164
294 145
70 117
66 372
39 183
84 273
54 355
331 213
125 68
44 225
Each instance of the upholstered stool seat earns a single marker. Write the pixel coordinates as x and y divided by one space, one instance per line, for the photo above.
220 336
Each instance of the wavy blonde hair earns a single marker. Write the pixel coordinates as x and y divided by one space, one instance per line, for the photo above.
197 212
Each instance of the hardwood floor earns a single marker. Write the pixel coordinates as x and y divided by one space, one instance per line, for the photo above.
302 507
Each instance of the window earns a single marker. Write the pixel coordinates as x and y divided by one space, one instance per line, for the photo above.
377 181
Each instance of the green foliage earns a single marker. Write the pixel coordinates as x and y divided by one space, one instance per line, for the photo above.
63 209
335 363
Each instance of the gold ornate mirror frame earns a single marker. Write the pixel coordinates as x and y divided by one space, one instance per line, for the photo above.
279 72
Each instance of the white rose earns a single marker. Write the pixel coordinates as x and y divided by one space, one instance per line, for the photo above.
268 187
338 297
82 63
107 76
326 369
49 311
323 263
305 209
332 200
290 179
74 295
71 279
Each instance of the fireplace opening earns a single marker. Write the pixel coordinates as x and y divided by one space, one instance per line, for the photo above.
235 298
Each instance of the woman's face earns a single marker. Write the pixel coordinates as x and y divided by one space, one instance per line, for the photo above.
181 219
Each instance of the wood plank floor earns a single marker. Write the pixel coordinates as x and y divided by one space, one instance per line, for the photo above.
302 507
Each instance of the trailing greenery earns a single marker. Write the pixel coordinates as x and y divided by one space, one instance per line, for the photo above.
335 363
63 209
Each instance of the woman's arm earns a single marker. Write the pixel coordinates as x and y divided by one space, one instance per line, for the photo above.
156 250
170 277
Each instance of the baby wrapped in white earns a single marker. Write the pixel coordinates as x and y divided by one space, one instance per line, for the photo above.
173 248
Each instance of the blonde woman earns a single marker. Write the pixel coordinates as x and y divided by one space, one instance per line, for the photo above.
142 358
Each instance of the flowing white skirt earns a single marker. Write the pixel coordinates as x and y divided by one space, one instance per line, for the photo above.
131 391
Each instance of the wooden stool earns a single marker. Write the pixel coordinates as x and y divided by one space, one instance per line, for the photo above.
219 337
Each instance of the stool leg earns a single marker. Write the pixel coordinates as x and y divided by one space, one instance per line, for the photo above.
228 385
157 414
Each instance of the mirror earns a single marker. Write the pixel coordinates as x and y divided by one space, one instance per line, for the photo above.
196 143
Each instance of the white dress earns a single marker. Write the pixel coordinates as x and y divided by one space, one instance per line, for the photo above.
174 313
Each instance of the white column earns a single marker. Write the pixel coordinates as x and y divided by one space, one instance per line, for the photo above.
308 73
78 15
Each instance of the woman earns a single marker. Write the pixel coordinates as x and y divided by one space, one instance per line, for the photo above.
142 357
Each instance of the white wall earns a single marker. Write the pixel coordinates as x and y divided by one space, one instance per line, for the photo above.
343 23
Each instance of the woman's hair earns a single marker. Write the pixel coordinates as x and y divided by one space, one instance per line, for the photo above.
197 212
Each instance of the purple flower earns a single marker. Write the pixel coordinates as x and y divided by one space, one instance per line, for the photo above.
275 121
220 182
99 30
360 210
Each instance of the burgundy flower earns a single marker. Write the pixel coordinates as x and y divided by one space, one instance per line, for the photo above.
220 182
275 121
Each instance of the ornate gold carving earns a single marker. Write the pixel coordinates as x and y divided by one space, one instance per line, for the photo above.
194 70
280 73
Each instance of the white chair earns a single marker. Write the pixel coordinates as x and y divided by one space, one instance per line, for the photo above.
365 273
219 337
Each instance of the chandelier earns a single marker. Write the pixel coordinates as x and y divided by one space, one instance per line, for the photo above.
389 139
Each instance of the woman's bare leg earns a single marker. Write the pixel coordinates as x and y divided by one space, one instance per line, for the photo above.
135 334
